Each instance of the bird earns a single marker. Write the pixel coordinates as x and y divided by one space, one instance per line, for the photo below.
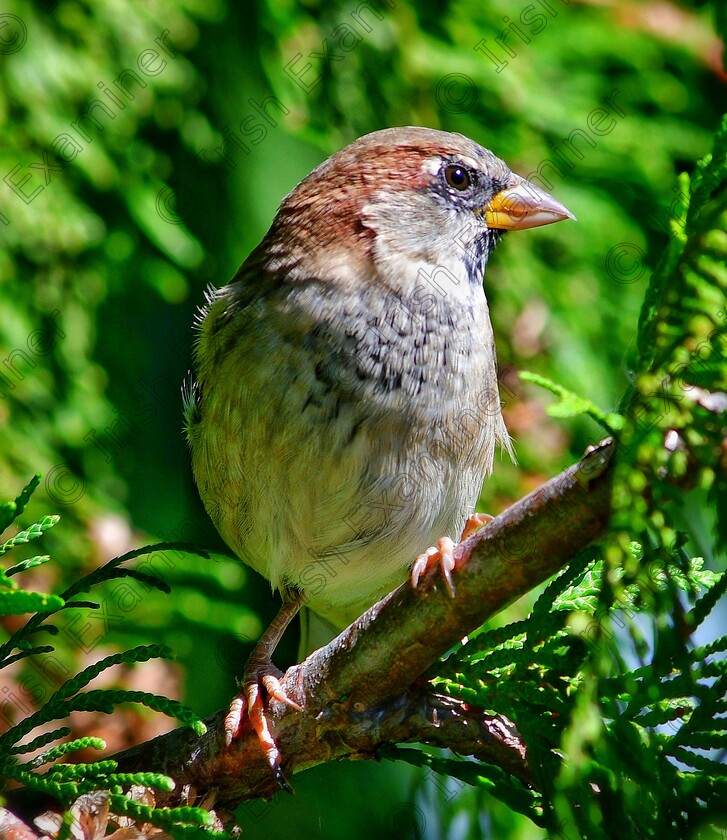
344 411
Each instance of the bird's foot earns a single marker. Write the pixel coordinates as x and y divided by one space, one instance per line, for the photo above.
474 522
261 678
443 553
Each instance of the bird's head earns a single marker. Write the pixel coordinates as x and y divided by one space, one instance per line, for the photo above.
404 199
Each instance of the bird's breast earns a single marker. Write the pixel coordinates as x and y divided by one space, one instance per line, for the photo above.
341 436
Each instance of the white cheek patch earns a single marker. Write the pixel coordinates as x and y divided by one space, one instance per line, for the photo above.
432 166
418 238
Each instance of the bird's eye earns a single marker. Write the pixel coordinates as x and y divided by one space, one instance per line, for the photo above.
457 177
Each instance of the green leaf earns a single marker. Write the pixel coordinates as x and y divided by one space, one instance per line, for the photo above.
18 602
10 511
24 565
571 405
707 602
36 530
489 777
159 816
86 743
143 653
29 651
41 740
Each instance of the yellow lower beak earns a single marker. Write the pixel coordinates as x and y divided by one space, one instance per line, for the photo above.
522 206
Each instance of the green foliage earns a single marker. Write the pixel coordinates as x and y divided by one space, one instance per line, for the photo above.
14 601
69 782
74 233
619 749
614 750
680 385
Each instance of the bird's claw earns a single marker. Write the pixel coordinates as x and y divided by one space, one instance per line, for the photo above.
443 553
474 522
256 683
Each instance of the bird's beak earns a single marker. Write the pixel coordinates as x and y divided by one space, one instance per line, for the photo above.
522 206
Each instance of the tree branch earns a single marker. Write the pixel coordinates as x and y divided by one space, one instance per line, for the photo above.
363 691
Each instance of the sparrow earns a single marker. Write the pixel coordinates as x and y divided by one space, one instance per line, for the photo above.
345 410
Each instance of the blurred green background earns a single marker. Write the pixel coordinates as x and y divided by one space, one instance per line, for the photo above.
145 148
